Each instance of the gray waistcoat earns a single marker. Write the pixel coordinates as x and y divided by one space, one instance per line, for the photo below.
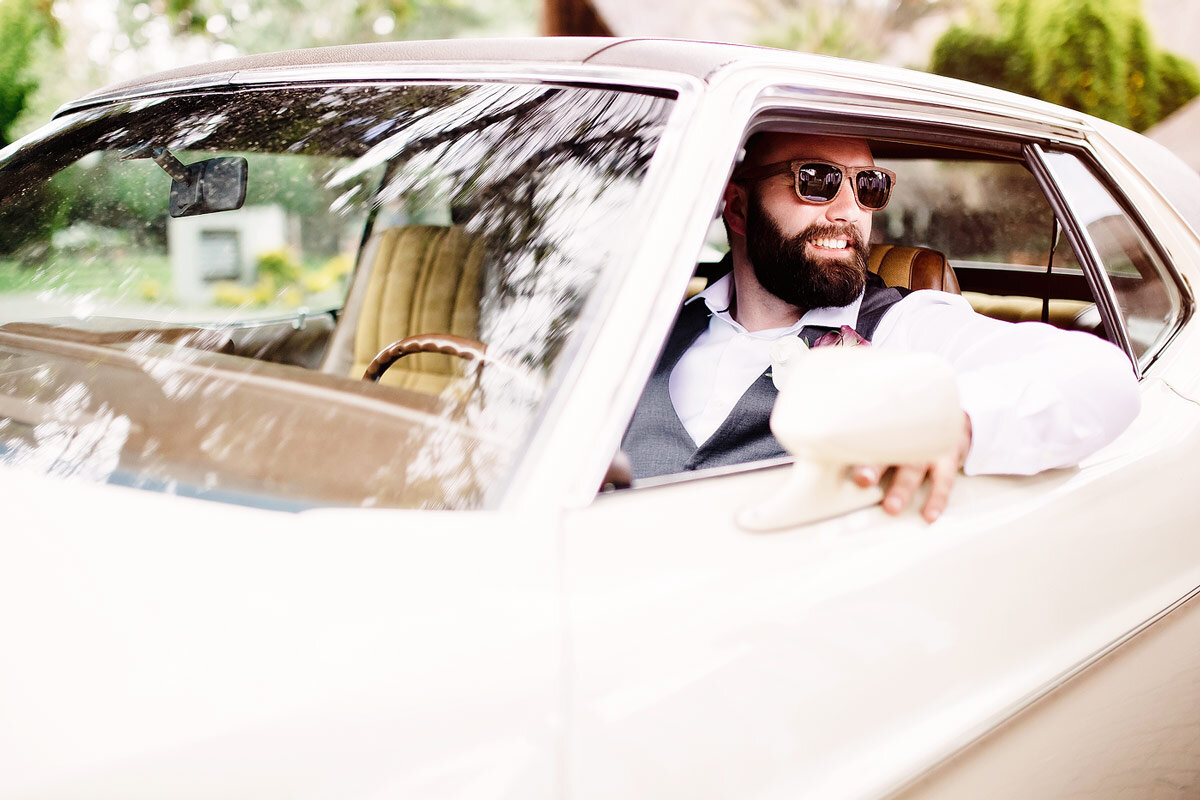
658 444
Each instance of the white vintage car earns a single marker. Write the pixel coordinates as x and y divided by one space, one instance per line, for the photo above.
232 567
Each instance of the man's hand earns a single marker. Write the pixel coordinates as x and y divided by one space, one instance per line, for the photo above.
907 478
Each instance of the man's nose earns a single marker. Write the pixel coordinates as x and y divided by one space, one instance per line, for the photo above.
843 208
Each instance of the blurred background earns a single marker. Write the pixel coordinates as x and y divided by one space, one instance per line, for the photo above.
1129 61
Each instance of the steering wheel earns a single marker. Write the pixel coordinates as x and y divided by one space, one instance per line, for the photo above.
446 343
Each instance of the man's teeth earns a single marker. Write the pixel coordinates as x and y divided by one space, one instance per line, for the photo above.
831 244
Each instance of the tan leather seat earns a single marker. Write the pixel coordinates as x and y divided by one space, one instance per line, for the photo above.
1072 315
418 279
912 268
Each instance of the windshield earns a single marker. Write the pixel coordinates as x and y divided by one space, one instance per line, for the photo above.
192 287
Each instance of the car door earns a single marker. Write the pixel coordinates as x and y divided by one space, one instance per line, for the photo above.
849 657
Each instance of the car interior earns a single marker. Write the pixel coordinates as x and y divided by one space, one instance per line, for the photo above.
971 215
974 224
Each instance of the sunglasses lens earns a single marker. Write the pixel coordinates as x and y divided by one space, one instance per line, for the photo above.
873 188
818 183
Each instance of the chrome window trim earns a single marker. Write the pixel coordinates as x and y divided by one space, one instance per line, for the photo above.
689 476
1090 160
836 94
1090 261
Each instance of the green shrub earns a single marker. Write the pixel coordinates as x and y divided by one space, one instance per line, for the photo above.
1096 56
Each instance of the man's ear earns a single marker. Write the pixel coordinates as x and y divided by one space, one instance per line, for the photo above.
735 208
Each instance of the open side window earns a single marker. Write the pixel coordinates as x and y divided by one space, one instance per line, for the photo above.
988 213
1020 244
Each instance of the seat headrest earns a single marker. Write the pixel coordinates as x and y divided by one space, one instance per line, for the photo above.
912 268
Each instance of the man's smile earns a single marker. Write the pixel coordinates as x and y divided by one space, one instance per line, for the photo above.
830 243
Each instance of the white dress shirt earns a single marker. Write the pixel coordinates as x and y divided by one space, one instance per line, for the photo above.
1038 397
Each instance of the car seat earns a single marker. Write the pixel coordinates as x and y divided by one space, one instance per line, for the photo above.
412 279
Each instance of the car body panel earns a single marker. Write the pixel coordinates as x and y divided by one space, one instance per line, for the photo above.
1075 741
184 648
851 654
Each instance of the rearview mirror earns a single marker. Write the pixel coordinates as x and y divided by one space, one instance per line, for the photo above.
841 406
216 184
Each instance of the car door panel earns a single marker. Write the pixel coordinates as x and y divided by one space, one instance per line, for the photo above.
859 651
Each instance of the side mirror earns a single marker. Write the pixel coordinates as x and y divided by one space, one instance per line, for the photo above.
841 406
216 184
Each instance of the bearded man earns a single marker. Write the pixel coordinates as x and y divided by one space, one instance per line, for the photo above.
798 213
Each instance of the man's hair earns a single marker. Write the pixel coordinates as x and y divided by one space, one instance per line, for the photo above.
751 158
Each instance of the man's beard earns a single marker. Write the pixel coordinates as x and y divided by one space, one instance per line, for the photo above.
784 268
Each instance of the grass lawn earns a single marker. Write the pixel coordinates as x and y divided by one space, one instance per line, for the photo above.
133 275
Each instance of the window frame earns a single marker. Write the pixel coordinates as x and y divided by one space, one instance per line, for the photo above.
1011 143
1089 258
1025 146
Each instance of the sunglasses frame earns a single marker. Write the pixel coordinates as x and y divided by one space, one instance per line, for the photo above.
793 166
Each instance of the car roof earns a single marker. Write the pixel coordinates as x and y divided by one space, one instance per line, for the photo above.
698 60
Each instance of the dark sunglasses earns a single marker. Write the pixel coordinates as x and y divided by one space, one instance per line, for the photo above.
819 181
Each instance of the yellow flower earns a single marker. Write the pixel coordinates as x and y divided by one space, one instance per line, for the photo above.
227 293
292 297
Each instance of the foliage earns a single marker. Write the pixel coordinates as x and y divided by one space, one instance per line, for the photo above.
1095 56
965 54
22 24
283 280
286 24
1180 83
114 193
279 265
819 29
80 273
861 29
28 217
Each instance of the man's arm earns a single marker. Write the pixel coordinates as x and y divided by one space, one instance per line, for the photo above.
1035 397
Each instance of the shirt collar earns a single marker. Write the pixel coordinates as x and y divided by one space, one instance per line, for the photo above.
719 296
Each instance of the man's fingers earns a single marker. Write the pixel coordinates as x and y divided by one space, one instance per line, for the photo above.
905 481
941 480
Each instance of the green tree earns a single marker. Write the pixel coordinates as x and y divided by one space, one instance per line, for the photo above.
1143 84
1180 83
258 27
1095 56
22 24
862 29
965 54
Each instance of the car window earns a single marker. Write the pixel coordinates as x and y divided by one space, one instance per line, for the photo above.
221 354
1147 298
985 212
992 221
990 212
